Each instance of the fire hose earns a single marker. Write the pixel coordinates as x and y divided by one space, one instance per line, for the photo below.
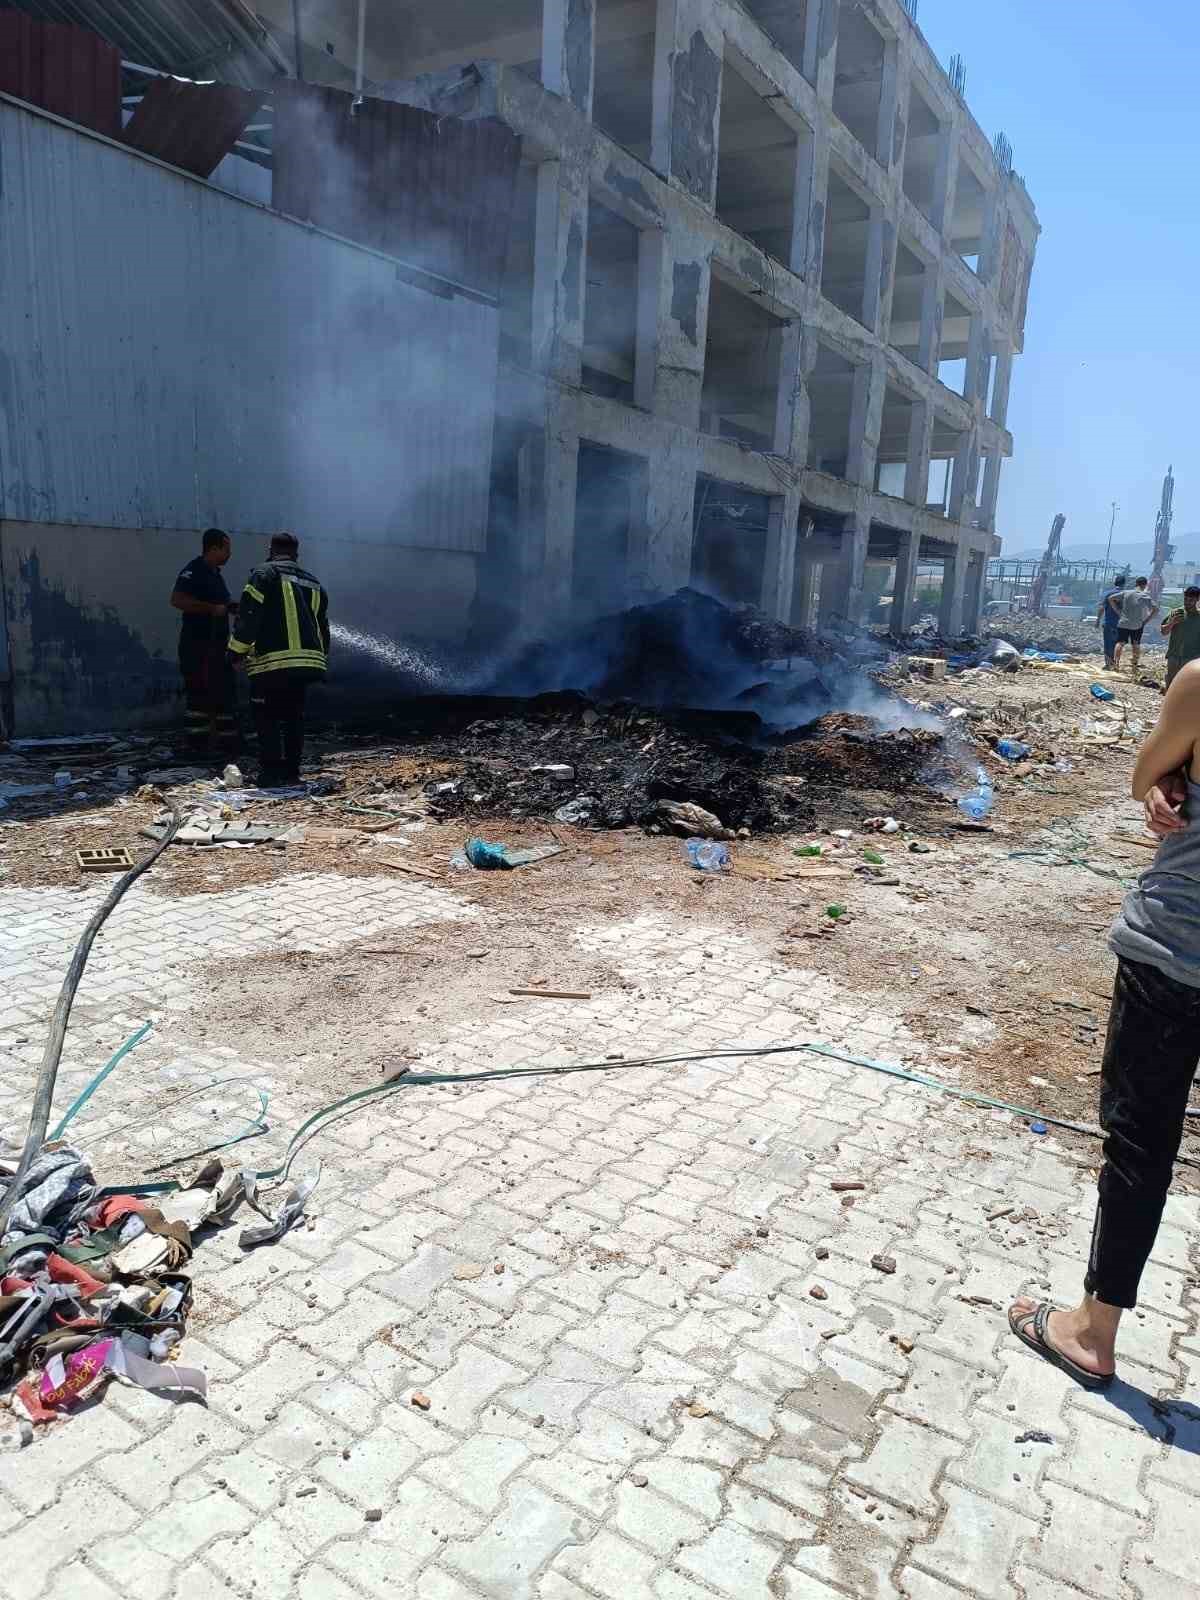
43 1095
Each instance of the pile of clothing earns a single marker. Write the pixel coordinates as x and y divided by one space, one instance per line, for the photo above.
96 1283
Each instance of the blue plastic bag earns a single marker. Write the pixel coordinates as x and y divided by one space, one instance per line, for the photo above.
1099 692
1011 749
487 857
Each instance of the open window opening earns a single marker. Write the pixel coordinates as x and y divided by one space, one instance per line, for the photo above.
831 401
786 22
623 81
424 38
844 262
858 76
921 153
610 500
610 306
756 167
729 544
956 337
741 369
908 299
989 404
966 225
516 290
895 433
943 449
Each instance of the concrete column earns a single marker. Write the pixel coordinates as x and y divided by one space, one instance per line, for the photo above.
880 268
978 362
808 209
991 490
792 410
547 470
820 54
650 292
905 591
684 278
1000 392
962 476
866 415
893 108
992 238
856 538
688 58
920 441
835 592
954 573
559 264
779 561
670 507
945 177
932 310
973 599
569 50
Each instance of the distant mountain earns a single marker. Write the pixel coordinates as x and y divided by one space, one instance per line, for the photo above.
1141 554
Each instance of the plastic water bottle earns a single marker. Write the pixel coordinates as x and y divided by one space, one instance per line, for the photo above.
708 855
1011 749
977 803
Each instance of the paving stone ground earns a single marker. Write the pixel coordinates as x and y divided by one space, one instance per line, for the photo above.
647 1402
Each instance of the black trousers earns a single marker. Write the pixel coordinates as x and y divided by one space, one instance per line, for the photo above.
1150 1059
210 695
278 702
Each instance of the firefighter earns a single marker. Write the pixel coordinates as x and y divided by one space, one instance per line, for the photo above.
209 687
281 638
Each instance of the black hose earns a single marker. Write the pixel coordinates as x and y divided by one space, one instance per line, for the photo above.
43 1095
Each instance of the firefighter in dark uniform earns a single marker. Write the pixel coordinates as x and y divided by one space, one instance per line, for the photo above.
282 639
209 687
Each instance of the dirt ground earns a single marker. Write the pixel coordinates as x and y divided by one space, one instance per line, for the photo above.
988 944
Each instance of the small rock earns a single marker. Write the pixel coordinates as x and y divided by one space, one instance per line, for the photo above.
818 1293
345 1455
467 1270
639 1480
309 1488
844 1185
498 1268
374 1515
421 1401
821 1253
539 1421
662 1272
883 1264
763 1233
1035 1436
901 1343
698 1409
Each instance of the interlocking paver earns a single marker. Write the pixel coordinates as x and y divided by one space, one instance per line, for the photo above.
559 1384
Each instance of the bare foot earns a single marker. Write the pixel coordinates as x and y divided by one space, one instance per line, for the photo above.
1074 1335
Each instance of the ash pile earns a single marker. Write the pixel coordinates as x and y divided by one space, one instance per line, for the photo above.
687 702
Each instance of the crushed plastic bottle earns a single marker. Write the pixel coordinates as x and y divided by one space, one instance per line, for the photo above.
977 802
707 855
1011 749
62 780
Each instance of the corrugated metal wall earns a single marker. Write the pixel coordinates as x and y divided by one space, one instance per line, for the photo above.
70 71
174 357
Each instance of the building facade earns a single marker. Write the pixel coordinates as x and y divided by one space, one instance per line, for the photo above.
767 279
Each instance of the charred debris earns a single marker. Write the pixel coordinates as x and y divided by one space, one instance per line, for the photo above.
686 701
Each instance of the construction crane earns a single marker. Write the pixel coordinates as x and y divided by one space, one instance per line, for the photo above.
1164 550
1037 594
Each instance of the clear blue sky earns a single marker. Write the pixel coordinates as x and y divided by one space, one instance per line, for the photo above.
1101 103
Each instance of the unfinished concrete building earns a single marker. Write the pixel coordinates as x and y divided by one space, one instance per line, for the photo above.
766 281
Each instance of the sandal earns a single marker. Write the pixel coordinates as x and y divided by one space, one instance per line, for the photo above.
1021 1322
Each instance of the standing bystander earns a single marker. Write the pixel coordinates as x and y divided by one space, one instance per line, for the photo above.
1150 1054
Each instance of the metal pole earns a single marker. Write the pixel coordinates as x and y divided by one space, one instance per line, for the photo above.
358 64
296 35
1111 525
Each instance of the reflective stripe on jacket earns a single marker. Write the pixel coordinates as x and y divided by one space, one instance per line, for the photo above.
283 620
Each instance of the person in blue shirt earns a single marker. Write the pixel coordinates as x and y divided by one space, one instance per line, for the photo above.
1110 619
208 683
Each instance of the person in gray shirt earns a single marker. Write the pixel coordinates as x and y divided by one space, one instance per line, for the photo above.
1135 607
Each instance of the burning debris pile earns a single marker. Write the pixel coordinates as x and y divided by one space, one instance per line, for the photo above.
683 703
